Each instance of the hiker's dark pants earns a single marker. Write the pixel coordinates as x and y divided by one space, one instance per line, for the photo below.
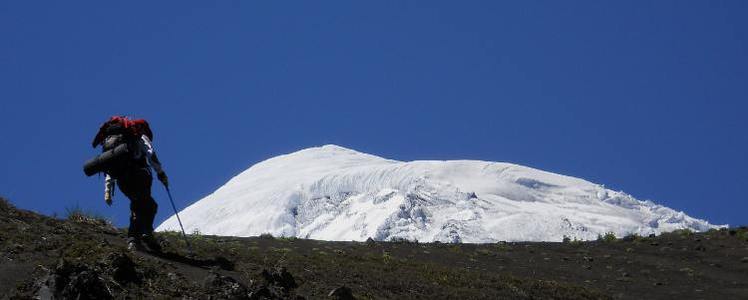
136 185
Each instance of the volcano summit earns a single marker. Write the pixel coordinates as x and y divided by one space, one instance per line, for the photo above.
334 193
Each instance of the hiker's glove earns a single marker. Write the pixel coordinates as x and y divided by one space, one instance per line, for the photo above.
108 198
162 177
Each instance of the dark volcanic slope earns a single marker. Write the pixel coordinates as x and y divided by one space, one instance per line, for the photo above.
42 256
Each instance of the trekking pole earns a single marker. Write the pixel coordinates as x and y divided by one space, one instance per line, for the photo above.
184 235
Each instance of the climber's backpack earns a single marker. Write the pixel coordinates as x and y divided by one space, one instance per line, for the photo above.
120 138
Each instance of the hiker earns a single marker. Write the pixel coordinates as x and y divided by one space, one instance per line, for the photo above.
130 144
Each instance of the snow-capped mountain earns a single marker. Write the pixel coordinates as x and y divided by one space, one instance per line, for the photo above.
334 193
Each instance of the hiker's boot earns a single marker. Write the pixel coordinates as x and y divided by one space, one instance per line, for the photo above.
134 244
151 242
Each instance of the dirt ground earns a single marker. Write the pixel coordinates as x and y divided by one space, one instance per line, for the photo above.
85 257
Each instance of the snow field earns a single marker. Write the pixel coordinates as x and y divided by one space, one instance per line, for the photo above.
334 193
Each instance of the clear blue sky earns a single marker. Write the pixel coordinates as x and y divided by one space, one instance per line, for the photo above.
648 97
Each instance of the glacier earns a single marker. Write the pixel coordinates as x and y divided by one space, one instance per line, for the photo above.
338 194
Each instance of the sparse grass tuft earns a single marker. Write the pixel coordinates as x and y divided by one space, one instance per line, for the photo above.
79 215
633 237
608 237
503 247
743 234
5 204
287 238
683 232
571 241
386 257
282 251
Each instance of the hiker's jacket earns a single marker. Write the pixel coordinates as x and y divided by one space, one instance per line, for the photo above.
146 148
